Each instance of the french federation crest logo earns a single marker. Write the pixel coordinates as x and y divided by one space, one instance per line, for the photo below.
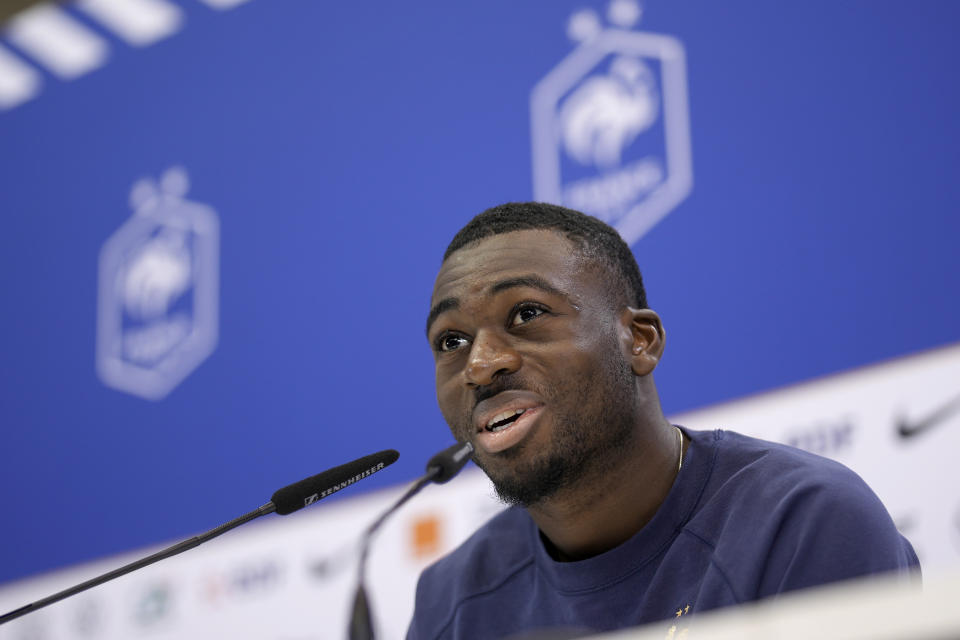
611 125
157 312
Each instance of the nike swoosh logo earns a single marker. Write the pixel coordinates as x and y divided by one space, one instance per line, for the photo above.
911 428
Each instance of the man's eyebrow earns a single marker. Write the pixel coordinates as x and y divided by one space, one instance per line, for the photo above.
532 281
447 304
535 282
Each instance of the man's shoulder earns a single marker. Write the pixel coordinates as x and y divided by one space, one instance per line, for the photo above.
494 555
785 504
772 468
753 480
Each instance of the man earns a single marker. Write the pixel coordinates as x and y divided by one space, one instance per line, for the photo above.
545 351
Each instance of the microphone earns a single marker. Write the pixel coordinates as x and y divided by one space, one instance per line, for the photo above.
300 494
284 501
441 468
446 464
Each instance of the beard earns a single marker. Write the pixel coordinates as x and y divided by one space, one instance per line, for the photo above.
593 427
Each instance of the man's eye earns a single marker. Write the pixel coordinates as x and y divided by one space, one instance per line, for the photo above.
450 343
525 314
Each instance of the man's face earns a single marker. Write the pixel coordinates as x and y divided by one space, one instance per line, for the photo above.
532 362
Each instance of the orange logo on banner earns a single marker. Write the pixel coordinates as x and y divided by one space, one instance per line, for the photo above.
425 536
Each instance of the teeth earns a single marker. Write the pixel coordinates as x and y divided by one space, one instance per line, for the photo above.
500 417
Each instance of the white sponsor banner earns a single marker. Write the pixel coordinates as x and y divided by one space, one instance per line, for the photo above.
294 578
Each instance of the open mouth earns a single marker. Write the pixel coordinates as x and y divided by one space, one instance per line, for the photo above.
506 419
503 420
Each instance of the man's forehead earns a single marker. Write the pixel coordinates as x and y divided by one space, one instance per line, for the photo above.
477 266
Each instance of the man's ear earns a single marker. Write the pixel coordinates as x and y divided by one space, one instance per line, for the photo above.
646 339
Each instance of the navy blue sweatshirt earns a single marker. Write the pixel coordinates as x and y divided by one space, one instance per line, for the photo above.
745 519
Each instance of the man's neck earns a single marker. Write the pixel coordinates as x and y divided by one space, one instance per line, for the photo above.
607 508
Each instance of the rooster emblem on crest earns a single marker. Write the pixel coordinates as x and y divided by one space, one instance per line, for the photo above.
607 112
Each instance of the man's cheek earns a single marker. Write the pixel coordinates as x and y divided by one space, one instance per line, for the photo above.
459 427
450 416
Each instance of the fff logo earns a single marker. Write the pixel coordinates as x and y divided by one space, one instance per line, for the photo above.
158 290
611 126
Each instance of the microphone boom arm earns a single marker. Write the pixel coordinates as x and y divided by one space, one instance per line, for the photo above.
284 501
172 550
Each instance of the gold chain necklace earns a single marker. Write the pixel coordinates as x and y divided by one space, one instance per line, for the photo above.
680 439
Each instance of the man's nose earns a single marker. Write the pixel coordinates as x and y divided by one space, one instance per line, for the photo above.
490 356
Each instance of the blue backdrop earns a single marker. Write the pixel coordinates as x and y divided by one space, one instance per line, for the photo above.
341 146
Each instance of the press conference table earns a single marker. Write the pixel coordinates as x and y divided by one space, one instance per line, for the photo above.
870 609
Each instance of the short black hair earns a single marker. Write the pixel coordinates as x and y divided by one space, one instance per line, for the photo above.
593 238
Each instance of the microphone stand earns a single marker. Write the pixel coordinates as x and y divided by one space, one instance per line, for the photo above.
361 622
440 469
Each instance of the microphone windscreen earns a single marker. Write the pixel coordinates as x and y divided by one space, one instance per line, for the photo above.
309 490
448 462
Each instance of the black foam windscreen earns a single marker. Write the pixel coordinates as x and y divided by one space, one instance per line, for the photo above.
448 462
309 490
